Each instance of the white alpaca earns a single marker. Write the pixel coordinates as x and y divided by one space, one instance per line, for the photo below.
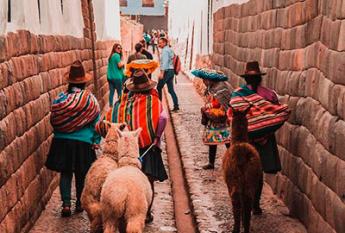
126 194
96 176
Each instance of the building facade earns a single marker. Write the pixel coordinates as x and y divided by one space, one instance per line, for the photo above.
151 13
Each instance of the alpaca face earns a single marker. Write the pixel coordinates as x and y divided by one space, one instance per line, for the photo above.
239 124
111 145
128 143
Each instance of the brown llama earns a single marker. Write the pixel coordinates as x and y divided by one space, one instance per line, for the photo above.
242 170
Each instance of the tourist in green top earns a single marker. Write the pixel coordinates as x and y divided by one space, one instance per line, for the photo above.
115 73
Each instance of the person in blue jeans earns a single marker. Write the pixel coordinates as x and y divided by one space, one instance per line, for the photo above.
115 75
166 75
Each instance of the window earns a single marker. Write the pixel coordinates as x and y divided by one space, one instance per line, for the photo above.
148 3
123 3
61 6
9 16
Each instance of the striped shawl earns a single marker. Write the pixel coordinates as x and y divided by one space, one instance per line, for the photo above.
73 111
264 117
139 110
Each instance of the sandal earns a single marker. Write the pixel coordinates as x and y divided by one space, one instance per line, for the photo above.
149 218
208 167
66 211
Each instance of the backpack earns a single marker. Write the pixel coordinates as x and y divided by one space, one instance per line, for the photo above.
177 64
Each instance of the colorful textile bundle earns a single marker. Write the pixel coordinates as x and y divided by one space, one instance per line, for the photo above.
139 110
264 117
148 65
209 74
72 111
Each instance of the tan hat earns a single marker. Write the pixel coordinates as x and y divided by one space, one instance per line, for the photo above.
139 81
77 74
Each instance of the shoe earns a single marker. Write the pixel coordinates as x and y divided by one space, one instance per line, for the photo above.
78 208
149 218
66 211
208 167
257 211
175 109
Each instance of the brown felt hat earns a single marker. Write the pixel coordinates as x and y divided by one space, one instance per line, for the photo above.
77 74
139 81
252 69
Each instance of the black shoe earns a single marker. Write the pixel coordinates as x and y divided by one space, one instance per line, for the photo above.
149 218
208 167
175 109
78 208
257 211
66 211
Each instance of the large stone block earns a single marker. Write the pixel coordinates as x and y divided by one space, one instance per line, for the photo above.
341 40
336 66
313 30
8 130
24 66
3 49
339 137
339 179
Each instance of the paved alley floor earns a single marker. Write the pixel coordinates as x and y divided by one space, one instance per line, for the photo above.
51 222
212 205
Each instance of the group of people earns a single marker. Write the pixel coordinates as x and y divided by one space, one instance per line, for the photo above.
78 125
265 117
152 38
75 114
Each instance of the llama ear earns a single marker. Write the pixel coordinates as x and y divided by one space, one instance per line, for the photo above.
137 132
119 133
122 126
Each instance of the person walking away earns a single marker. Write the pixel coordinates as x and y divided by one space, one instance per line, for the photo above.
167 74
142 108
145 51
74 114
138 53
147 39
115 75
218 93
267 145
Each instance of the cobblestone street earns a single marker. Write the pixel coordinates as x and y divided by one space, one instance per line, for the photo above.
208 191
51 222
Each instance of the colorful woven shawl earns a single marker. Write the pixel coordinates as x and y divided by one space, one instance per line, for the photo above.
72 111
139 110
263 117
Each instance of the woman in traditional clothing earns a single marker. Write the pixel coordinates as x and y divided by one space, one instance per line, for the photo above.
74 114
266 116
142 108
115 75
214 117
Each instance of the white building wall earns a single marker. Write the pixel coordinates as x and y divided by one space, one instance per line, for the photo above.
183 14
107 19
51 20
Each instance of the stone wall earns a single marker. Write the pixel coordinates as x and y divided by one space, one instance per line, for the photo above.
301 45
32 70
131 33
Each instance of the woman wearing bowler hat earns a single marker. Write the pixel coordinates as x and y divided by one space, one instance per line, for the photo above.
74 114
140 107
267 145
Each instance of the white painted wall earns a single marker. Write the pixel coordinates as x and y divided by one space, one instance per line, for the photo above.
25 15
220 3
183 14
107 19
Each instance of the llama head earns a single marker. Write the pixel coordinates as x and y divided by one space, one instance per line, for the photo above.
128 148
239 123
110 146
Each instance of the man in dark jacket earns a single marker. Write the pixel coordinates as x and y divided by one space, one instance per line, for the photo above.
144 50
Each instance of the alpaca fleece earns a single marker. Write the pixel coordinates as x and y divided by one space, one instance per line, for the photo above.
126 194
242 171
96 176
